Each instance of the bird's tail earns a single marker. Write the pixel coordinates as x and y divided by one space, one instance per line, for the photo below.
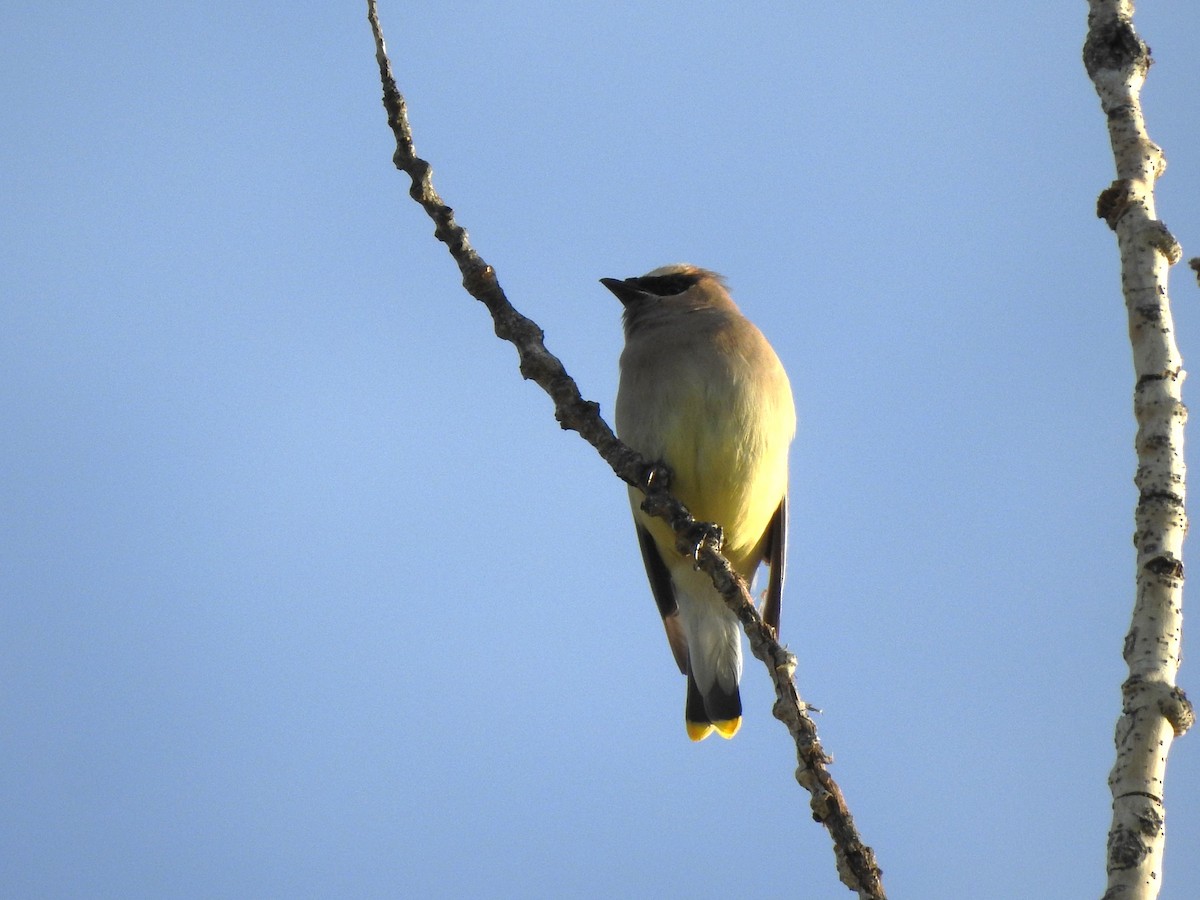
717 710
714 658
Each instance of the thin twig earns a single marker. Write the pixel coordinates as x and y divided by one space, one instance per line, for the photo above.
855 860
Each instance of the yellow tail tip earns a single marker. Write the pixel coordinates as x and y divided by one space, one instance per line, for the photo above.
726 728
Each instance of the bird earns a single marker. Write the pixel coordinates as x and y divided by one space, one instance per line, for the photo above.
703 392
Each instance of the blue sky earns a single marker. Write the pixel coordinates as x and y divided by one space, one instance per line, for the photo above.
303 591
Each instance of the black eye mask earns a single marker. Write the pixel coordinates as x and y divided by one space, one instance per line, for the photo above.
665 285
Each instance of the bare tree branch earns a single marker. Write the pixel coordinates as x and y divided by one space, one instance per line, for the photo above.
855 860
1154 710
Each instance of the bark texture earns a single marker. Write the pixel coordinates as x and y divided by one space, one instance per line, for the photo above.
1154 710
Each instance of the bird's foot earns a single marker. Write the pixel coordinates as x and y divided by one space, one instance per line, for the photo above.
698 535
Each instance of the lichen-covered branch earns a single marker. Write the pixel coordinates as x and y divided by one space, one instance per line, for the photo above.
1154 710
856 861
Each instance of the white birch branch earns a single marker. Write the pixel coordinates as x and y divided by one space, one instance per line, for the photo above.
1154 710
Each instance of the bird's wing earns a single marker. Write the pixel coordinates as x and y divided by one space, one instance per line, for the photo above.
776 542
664 595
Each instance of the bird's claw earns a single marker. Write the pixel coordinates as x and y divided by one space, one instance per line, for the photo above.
656 477
698 535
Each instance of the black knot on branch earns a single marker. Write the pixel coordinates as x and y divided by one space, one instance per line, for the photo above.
1178 710
1160 238
1113 201
1115 45
1125 849
1165 567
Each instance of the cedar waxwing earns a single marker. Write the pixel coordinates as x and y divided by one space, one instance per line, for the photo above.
702 391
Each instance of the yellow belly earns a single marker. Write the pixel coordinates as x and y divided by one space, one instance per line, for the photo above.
729 467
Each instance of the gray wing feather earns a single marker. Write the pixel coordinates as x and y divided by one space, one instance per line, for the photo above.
776 543
664 595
